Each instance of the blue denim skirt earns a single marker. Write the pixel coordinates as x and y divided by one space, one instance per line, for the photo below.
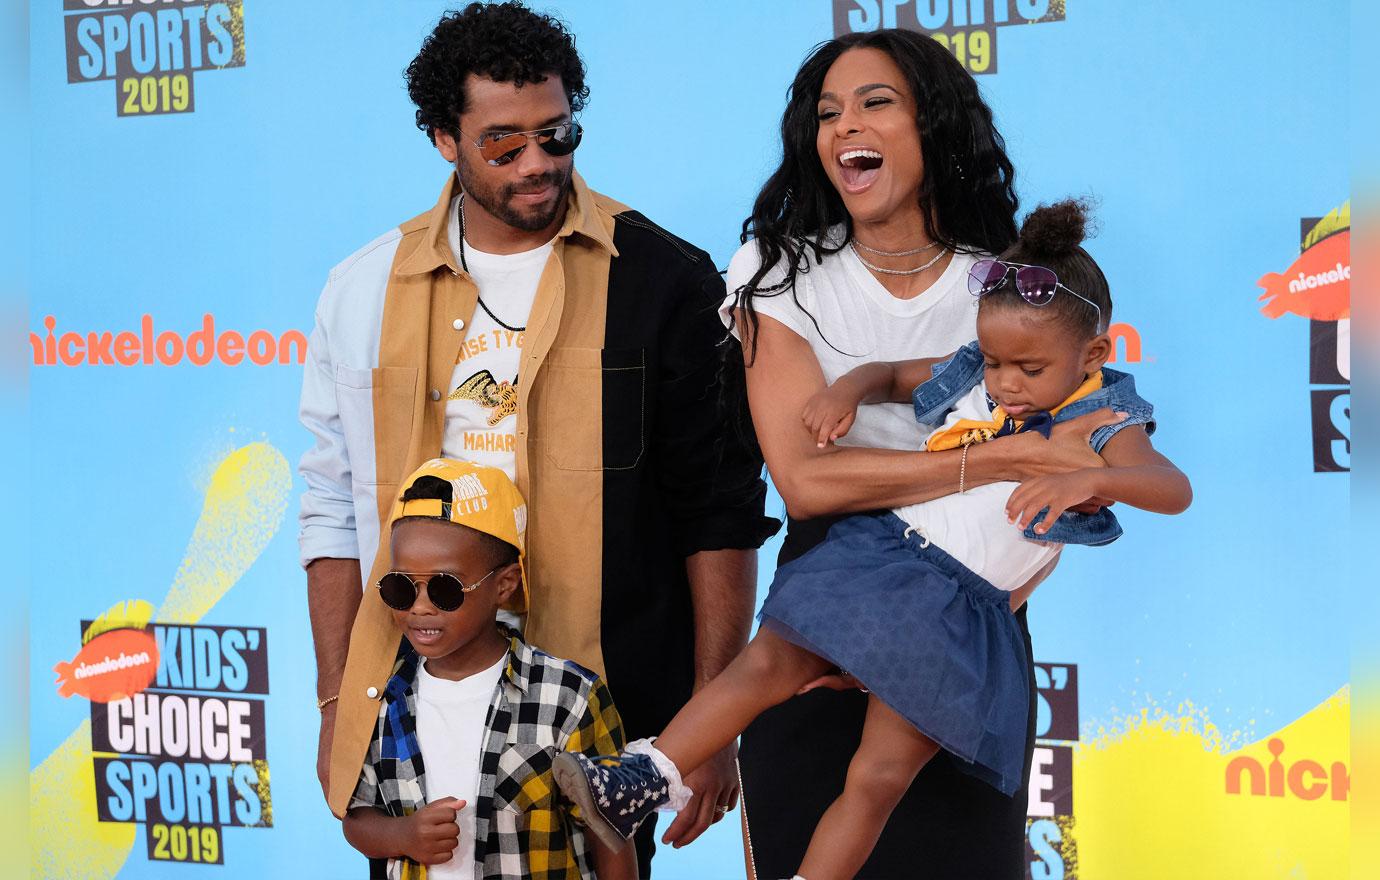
923 633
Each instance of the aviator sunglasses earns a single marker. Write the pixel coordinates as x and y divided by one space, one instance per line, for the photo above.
399 589
1035 284
502 147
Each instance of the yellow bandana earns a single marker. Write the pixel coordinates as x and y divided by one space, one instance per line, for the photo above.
966 432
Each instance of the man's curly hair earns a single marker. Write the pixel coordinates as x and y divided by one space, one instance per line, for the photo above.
505 42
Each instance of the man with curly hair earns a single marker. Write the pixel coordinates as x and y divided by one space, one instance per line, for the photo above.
527 322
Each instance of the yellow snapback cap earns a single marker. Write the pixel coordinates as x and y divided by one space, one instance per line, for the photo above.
482 498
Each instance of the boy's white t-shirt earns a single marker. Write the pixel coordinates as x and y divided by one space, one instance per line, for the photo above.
481 404
972 527
850 319
451 717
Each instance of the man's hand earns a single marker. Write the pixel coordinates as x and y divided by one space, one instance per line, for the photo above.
722 587
323 747
715 785
1067 449
432 834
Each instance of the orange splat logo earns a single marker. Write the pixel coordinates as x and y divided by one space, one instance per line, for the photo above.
1318 284
111 666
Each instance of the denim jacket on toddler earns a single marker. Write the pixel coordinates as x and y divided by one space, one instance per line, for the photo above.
951 380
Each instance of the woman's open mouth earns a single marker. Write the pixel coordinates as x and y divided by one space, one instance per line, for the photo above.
858 168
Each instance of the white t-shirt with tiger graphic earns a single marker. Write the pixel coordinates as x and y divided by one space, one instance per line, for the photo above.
481 404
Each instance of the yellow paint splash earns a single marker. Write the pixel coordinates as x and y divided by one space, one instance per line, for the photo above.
132 614
1365 761
67 840
1151 801
237 32
1337 220
244 507
265 793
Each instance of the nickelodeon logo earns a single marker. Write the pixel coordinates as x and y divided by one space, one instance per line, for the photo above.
1306 779
1318 284
126 348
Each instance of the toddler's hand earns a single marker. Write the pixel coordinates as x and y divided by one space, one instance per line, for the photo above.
1058 492
432 832
829 413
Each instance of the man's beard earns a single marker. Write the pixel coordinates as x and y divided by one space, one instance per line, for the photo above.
498 200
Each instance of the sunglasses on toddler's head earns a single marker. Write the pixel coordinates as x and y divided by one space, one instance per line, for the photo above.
399 589
1035 284
502 147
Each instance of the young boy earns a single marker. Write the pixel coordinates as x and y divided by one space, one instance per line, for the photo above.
457 781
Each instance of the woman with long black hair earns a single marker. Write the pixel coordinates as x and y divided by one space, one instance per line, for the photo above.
893 182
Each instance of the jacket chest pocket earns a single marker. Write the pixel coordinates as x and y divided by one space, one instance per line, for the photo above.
589 408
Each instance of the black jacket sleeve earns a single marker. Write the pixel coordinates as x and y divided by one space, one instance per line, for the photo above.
709 466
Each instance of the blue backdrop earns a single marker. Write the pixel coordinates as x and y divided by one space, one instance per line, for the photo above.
1213 136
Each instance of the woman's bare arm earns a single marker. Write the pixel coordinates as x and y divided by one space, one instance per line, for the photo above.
818 482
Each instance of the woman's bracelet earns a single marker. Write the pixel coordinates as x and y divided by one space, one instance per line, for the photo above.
963 470
322 704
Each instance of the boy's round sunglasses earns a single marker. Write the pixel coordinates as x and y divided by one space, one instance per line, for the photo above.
399 589
1035 284
502 147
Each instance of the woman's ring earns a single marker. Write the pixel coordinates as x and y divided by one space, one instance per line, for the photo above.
721 809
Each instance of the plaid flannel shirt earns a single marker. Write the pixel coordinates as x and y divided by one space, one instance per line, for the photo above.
522 829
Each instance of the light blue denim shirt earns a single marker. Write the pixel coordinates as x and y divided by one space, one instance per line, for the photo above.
954 378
